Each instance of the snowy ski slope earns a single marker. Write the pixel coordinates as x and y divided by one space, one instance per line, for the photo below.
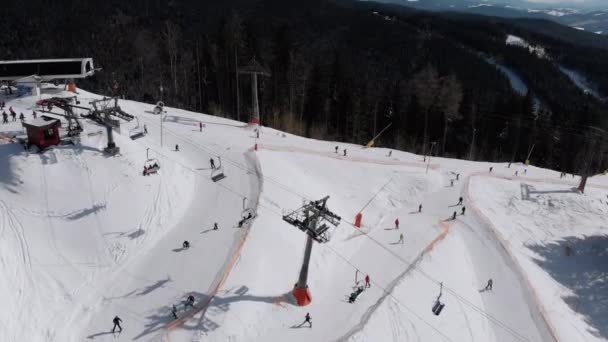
85 237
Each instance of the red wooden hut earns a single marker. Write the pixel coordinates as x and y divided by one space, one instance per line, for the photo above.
43 131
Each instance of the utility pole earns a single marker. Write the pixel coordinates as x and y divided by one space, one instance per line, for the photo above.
309 219
238 97
472 144
254 69
430 154
161 114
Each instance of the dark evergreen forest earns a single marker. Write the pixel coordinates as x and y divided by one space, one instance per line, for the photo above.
340 70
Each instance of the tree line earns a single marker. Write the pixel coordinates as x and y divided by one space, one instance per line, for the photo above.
339 70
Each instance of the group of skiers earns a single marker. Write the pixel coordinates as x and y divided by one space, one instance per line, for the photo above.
336 150
463 208
189 302
13 115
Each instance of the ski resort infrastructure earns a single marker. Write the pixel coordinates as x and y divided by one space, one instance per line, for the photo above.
86 237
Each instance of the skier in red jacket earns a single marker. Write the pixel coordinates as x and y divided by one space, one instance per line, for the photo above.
367 282
397 223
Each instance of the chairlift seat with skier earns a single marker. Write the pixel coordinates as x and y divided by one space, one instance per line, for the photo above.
246 216
151 166
159 109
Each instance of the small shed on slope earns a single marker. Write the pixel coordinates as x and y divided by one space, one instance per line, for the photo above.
43 132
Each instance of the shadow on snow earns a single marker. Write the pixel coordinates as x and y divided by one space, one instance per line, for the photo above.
581 265
218 304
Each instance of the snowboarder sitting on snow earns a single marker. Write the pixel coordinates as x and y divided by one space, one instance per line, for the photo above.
215 227
189 301
186 244
116 322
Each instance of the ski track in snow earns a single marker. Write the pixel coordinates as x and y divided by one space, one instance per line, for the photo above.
526 281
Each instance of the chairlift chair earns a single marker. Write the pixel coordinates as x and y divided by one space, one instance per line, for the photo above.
159 109
438 306
247 215
137 131
217 174
150 165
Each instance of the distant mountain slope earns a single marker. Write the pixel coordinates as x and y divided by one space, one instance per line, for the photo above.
593 21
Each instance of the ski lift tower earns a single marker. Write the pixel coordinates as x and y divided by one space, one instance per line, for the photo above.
102 112
67 104
310 219
254 68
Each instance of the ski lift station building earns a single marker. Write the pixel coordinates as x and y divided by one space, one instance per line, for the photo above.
43 131
34 70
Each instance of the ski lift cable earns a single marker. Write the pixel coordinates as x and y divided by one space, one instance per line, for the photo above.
383 287
388 293
416 268
458 297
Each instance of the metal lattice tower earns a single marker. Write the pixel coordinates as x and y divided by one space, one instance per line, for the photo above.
102 113
67 104
313 219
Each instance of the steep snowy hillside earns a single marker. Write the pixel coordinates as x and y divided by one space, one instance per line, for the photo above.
86 237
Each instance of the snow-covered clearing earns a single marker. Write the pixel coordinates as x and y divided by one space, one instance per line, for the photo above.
85 237
539 51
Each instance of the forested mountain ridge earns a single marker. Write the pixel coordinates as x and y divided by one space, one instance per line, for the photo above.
340 70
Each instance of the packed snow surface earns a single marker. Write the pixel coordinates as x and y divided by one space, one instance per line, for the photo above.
86 237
